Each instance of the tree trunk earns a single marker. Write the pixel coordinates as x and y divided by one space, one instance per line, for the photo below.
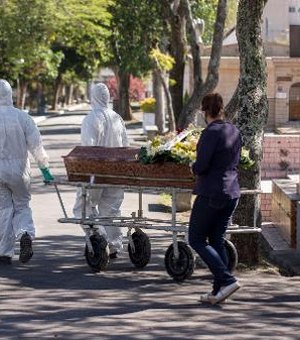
40 100
178 52
57 88
175 16
192 107
232 108
172 123
21 93
70 94
252 116
124 102
158 93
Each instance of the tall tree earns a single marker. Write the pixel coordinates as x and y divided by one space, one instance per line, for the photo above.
81 34
173 12
206 10
252 103
135 26
203 87
163 63
27 27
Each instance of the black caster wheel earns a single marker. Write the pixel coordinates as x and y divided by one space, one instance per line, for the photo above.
141 255
99 260
232 255
181 268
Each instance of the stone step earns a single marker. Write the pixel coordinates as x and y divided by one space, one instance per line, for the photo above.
279 252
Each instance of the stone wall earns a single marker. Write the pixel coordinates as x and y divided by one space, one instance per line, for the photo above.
281 156
284 209
266 206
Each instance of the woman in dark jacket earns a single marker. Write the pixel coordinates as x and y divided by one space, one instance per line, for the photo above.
218 192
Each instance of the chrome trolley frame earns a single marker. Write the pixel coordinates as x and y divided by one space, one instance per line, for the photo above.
179 259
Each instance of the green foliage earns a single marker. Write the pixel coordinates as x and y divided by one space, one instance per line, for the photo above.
246 162
136 27
207 9
40 39
172 82
81 35
163 60
26 27
163 156
231 15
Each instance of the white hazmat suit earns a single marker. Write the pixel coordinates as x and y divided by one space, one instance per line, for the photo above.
103 127
18 135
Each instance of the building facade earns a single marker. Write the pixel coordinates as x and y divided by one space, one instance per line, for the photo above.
279 18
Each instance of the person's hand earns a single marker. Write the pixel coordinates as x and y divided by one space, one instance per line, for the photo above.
47 175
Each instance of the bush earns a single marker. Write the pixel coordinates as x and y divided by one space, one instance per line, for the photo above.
136 89
148 105
112 85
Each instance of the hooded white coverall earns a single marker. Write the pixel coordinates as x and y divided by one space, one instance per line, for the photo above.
18 135
103 127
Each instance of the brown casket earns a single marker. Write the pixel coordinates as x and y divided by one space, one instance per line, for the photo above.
120 166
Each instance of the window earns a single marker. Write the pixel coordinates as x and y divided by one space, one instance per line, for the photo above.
292 9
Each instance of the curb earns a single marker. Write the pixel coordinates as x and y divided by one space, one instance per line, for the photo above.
287 261
39 119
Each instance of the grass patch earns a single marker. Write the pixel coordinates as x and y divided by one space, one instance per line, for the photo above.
165 199
263 267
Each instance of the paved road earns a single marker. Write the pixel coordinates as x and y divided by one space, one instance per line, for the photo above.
57 296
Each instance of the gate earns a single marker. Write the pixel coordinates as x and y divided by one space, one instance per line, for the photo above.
294 102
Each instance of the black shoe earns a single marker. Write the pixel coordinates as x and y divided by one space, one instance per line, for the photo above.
113 256
5 260
25 248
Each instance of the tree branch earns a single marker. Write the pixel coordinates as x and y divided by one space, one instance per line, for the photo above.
215 56
194 42
191 109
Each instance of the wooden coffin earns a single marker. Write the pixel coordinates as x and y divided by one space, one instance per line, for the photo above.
120 166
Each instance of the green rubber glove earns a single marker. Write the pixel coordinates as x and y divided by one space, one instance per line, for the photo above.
47 175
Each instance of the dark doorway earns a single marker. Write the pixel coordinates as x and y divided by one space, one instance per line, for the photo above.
294 102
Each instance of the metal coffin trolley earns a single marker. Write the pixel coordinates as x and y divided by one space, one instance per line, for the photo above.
170 178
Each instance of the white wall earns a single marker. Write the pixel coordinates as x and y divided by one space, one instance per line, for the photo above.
275 24
277 17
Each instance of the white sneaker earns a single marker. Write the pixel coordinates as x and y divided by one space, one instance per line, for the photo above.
224 293
205 297
208 297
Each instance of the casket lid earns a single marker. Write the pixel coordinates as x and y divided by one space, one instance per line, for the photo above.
103 153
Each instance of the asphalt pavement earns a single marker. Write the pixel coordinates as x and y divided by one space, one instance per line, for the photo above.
57 296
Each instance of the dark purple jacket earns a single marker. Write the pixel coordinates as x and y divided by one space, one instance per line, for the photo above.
218 155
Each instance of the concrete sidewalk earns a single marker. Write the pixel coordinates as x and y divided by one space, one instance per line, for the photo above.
65 110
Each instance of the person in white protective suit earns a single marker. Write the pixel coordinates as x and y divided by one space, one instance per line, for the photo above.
103 127
18 135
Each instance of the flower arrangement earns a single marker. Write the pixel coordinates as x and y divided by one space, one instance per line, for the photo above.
148 104
180 148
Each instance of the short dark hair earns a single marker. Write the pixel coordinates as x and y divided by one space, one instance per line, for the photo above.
213 105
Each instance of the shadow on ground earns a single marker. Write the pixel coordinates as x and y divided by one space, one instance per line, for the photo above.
56 295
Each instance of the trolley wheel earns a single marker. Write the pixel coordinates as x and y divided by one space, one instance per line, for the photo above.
232 255
181 268
99 260
141 255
